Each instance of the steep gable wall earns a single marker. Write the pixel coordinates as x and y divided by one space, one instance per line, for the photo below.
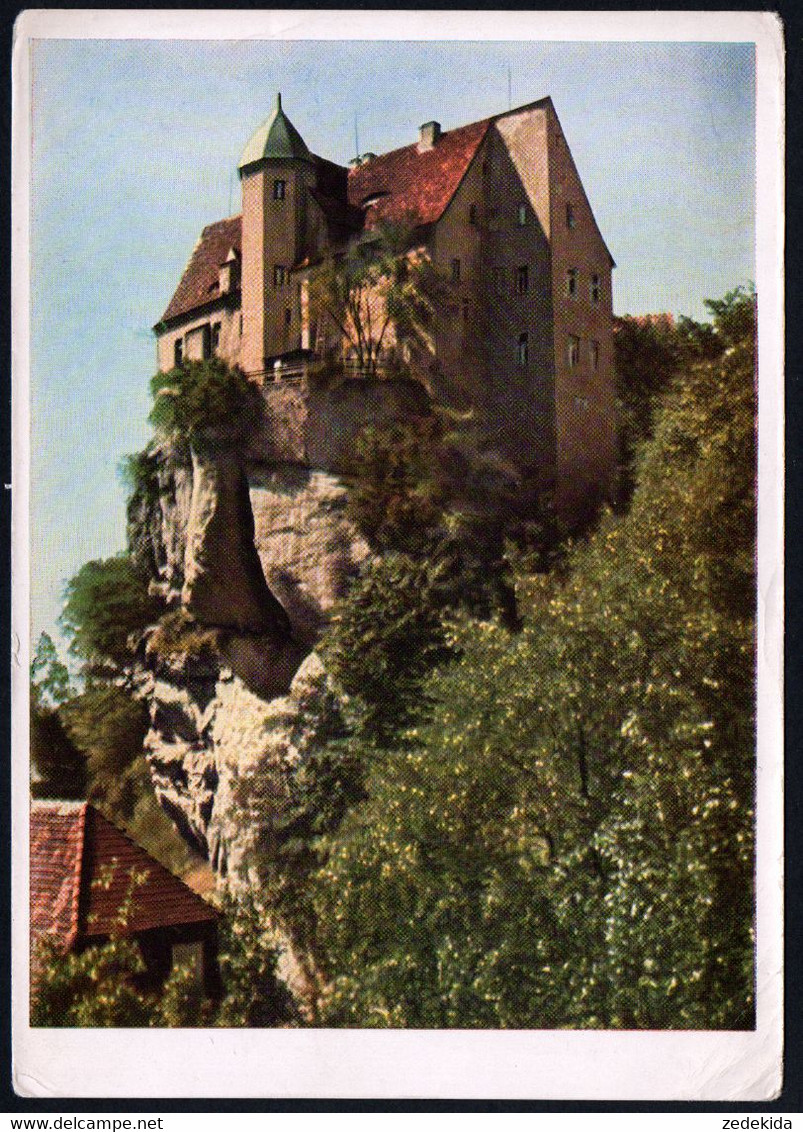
585 411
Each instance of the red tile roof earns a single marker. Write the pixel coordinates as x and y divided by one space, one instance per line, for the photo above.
57 839
419 183
199 283
82 869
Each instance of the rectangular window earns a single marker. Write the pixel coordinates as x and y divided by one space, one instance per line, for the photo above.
570 221
215 337
524 349
571 281
522 215
279 275
522 279
595 355
178 351
206 341
595 289
573 351
288 317
472 215
279 188
455 270
241 326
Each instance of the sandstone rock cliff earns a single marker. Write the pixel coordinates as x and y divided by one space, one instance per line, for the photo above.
251 546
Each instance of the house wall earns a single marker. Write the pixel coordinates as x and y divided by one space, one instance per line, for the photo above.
585 409
274 235
519 395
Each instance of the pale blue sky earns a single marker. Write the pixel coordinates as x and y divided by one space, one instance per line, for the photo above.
135 147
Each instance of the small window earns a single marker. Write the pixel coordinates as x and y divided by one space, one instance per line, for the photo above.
522 215
522 279
279 275
288 316
582 403
455 270
524 349
573 352
570 221
571 281
178 351
595 289
472 215
206 341
215 337
595 355
279 188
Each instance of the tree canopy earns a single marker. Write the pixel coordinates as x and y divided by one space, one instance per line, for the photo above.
567 840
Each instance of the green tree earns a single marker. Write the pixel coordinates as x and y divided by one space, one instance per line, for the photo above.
59 767
201 398
254 996
50 678
107 607
381 287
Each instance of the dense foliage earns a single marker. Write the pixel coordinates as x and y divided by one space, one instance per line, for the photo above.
106 604
567 841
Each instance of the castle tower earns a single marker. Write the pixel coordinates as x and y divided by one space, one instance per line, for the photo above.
276 169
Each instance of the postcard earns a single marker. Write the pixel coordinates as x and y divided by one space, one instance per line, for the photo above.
397 555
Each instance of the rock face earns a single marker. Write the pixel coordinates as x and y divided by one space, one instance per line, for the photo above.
251 546
223 581
217 751
308 548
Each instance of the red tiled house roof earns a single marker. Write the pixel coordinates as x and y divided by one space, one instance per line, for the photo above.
419 182
81 873
199 283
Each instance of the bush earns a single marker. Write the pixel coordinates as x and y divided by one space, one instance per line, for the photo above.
107 606
178 635
199 398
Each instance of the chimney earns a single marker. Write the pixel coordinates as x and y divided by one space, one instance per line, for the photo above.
428 135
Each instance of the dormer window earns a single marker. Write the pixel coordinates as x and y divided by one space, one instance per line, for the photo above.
279 188
372 198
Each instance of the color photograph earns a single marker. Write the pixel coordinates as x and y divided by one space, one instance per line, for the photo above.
393 433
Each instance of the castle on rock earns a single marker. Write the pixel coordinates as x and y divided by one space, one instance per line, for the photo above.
523 335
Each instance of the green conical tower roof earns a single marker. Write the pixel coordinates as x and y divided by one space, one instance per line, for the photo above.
275 138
